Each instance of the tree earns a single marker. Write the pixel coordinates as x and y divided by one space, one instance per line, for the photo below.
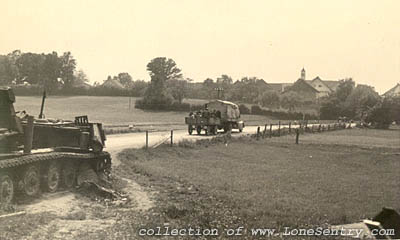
360 100
51 71
6 73
125 79
248 89
224 80
162 70
290 100
269 99
68 65
330 108
208 82
30 66
80 77
178 89
384 113
157 95
344 89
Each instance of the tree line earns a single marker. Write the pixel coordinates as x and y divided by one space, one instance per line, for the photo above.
31 73
50 70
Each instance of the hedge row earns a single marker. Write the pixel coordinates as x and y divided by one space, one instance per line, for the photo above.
174 106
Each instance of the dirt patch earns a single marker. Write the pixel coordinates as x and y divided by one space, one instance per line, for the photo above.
60 203
140 197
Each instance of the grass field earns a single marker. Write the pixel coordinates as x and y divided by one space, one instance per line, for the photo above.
108 110
329 178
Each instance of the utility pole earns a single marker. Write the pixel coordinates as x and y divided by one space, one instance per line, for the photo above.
219 90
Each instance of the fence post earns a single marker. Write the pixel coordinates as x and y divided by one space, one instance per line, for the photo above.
147 139
279 129
258 132
265 130
172 138
270 130
290 127
297 135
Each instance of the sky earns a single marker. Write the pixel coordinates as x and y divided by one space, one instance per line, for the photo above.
268 39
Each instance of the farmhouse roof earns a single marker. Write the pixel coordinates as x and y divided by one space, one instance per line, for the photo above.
394 91
279 87
298 85
113 83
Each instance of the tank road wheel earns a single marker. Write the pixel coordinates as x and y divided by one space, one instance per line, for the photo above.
69 174
31 181
6 189
190 129
53 177
198 129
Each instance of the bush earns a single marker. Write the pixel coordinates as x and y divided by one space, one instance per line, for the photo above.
167 106
244 109
384 113
256 110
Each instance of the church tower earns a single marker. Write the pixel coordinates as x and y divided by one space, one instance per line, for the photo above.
303 74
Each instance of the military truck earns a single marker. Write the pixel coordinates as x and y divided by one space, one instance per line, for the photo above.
216 115
45 154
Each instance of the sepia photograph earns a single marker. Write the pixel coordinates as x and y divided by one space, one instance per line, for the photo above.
199 119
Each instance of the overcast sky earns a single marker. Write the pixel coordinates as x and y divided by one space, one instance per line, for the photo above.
272 40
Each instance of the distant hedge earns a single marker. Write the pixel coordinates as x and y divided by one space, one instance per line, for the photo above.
256 110
174 106
35 90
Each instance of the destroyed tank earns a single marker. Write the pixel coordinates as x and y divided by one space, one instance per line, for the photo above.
43 154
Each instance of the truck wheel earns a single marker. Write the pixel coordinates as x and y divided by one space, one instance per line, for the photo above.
228 128
31 181
209 130
198 129
53 177
214 130
190 129
6 189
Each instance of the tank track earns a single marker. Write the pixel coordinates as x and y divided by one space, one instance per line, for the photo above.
32 158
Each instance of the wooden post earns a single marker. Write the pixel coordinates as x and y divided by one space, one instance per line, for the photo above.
290 127
265 130
297 135
329 127
28 135
172 138
270 130
147 139
279 128
258 132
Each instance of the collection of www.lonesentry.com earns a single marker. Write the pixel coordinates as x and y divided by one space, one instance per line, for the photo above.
260 232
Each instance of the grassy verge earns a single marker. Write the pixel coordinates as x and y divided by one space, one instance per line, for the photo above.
269 183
